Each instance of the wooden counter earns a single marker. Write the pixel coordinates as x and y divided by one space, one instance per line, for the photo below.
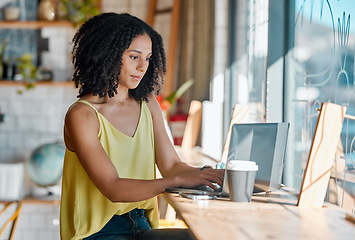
263 218
272 216
195 157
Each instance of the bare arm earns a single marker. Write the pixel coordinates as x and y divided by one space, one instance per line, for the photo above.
167 160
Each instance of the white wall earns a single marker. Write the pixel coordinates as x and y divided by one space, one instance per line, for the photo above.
34 118
58 58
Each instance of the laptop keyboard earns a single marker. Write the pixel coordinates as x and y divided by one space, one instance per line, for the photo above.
207 188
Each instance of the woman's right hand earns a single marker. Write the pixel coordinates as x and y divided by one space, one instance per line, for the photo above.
207 176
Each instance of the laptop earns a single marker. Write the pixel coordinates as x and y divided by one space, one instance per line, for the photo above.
263 143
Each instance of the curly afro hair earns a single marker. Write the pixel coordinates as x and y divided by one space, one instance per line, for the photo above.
98 47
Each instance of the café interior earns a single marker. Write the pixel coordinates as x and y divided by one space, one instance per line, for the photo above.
228 62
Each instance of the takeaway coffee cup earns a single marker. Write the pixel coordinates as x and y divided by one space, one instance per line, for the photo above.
241 179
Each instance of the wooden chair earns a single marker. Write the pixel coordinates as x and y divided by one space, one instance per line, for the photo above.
13 218
320 159
239 113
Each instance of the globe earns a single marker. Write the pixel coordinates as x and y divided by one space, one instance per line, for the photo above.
46 164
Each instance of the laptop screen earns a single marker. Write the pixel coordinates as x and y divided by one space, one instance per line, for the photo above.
265 144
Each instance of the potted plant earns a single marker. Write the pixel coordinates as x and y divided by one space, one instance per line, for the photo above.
27 70
79 11
2 50
168 103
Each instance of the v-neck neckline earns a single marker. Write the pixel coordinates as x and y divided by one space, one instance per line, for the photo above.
137 127
116 129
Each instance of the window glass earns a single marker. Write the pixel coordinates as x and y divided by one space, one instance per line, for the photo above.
248 45
320 68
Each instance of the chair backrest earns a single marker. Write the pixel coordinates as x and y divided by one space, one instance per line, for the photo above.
321 155
193 125
239 113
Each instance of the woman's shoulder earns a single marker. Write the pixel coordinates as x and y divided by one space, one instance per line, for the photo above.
153 104
81 109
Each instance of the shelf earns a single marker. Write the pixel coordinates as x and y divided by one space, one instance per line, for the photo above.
34 24
4 83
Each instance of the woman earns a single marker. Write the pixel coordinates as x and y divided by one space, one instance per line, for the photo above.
114 135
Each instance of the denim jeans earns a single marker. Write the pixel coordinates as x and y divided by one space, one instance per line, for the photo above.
135 225
127 226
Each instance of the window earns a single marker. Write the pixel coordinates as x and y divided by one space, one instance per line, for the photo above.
285 59
320 68
248 51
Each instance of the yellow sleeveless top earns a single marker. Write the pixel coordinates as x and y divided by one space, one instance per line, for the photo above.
84 210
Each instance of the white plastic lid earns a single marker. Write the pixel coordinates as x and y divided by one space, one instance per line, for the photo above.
242 165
